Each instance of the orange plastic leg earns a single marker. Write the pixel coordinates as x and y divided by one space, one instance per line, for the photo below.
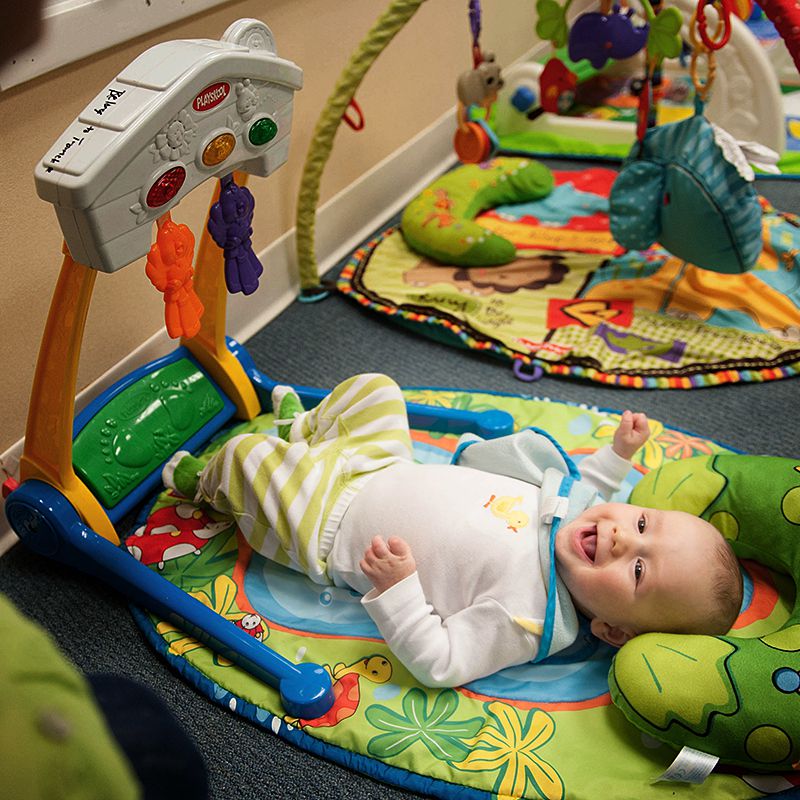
47 454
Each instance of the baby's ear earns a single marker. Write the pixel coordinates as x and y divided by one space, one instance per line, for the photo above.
610 634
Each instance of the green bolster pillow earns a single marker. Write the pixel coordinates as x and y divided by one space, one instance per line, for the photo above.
439 222
735 696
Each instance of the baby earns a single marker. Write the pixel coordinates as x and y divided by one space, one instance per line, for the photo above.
470 567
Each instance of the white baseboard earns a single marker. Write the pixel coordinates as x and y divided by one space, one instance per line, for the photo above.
342 223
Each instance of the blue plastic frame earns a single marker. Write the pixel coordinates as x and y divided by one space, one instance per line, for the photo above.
48 523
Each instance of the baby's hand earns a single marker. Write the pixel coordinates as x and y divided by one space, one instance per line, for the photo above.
632 433
387 563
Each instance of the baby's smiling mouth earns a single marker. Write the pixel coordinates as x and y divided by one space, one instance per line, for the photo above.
587 541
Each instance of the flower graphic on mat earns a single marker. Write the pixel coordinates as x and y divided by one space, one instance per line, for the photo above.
651 455
430 397
507 744
445 738
677 445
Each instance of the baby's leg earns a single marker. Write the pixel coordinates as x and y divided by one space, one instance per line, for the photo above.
181 473
369 410
274 491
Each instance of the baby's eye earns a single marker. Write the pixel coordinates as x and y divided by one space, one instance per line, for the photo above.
641 524
638 569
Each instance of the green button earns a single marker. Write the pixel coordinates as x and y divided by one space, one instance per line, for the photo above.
262 131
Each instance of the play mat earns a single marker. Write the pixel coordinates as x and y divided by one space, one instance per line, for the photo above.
575 304
543 731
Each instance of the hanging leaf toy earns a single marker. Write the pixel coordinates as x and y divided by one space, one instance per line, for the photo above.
552 22
664 40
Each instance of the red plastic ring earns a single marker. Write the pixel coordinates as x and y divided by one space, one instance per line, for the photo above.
702 25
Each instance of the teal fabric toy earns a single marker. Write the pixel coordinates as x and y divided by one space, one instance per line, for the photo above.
439 222
736 698
679 187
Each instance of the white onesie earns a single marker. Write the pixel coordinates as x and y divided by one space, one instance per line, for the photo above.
474 538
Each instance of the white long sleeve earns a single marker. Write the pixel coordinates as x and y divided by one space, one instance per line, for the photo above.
604 470
474 538
476 641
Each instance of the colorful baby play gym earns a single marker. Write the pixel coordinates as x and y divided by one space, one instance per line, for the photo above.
532 215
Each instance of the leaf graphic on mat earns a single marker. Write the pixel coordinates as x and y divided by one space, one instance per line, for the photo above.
443 737
688 485
507 744
552 22
216 558
667 678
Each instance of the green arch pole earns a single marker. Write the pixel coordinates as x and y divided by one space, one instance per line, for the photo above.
384 30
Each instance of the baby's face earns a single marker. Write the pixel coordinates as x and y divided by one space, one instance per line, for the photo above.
638 569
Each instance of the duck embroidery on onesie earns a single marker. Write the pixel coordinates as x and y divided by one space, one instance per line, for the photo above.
503 507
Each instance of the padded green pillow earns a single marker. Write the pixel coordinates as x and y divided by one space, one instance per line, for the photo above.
738 699
439 222
54 740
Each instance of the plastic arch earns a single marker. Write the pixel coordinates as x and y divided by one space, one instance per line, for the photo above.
376 40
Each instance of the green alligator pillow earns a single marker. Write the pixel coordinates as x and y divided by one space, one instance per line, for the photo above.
439 222
736 698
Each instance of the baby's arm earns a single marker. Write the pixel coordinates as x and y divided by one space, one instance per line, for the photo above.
606 468
470 644
467 645
632 433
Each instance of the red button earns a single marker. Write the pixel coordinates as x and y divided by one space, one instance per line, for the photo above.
166 187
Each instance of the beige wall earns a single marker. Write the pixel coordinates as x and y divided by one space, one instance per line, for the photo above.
411 85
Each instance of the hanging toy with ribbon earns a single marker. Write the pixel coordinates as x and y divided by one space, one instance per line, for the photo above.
689 185
476 89
230 225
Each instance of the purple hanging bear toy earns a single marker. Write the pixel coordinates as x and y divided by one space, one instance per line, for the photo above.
229 223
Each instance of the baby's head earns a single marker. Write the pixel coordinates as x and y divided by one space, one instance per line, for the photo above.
633 570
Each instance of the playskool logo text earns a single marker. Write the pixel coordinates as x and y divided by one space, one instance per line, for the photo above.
211 96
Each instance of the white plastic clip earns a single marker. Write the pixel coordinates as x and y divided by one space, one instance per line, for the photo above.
554 507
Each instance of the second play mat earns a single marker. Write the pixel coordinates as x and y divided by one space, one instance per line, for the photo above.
573 303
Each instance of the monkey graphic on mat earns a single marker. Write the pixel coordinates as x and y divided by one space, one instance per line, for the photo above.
522 273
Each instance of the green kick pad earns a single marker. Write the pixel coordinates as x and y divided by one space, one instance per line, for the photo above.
534 731
575 304
140 427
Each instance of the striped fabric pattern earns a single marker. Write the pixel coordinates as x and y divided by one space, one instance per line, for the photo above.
288 496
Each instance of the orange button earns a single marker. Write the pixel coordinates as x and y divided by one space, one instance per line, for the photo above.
218 149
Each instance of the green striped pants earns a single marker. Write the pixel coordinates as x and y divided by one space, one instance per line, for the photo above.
288 497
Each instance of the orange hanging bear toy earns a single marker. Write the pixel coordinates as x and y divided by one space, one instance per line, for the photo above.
169 268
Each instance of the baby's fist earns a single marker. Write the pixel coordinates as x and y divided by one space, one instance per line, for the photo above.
387 563
632 433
